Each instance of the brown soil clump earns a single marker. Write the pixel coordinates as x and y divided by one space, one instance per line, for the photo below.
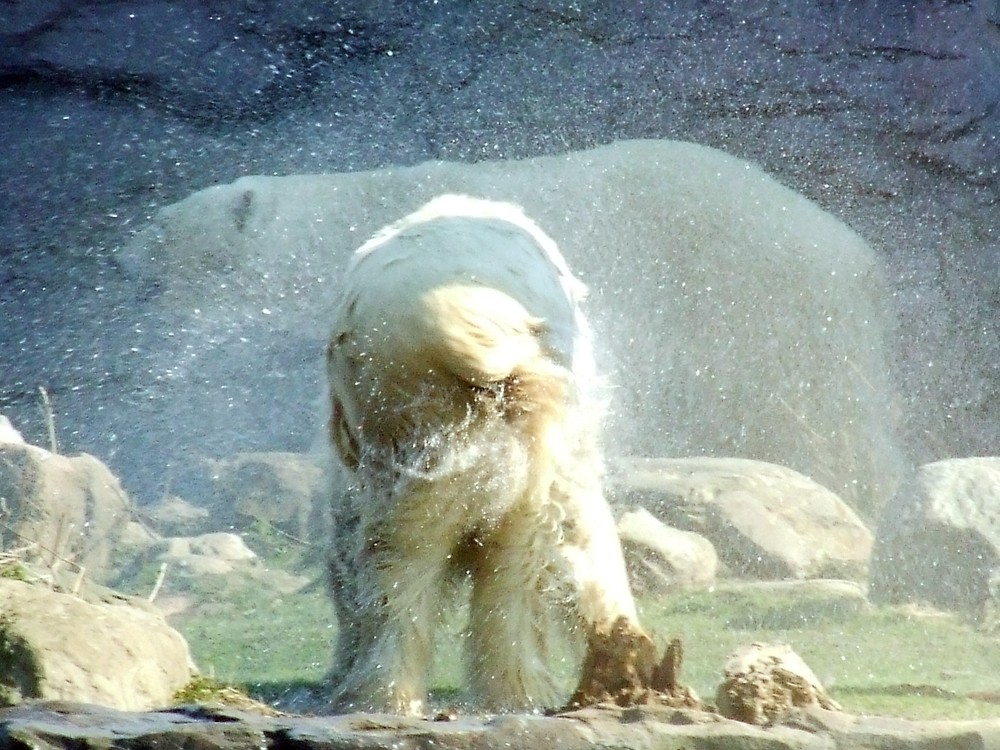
622 667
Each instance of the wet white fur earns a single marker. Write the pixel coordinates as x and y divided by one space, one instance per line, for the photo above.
466 407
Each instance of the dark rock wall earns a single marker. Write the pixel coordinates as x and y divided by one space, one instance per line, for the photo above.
883 112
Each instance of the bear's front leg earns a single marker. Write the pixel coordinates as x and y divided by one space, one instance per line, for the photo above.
620 662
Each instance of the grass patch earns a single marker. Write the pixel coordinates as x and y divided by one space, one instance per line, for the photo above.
247 628
872 660
247 635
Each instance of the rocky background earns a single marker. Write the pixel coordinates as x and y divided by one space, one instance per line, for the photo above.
885 113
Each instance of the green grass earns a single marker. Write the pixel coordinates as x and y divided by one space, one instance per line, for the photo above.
245 629
247 635
872 660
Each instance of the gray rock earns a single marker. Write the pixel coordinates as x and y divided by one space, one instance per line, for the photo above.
938 541
62 726
750 294
188 58
765 521
65 510
661 559
885 114
114 652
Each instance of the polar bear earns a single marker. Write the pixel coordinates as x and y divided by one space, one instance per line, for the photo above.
465 406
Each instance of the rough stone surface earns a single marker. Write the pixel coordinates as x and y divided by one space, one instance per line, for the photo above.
939 539
206 62
64 510
109 651
765 521
660 558
67 726
884 113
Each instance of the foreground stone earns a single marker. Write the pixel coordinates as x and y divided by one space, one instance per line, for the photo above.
100 647
61 726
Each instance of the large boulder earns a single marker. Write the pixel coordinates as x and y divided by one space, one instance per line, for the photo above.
883 113
939 539
720 298
65 510
110 651
661 559
765 521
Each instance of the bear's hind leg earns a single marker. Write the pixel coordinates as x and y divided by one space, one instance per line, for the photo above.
512 625
391 671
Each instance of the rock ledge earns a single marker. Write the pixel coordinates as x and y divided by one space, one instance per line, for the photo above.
78 726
